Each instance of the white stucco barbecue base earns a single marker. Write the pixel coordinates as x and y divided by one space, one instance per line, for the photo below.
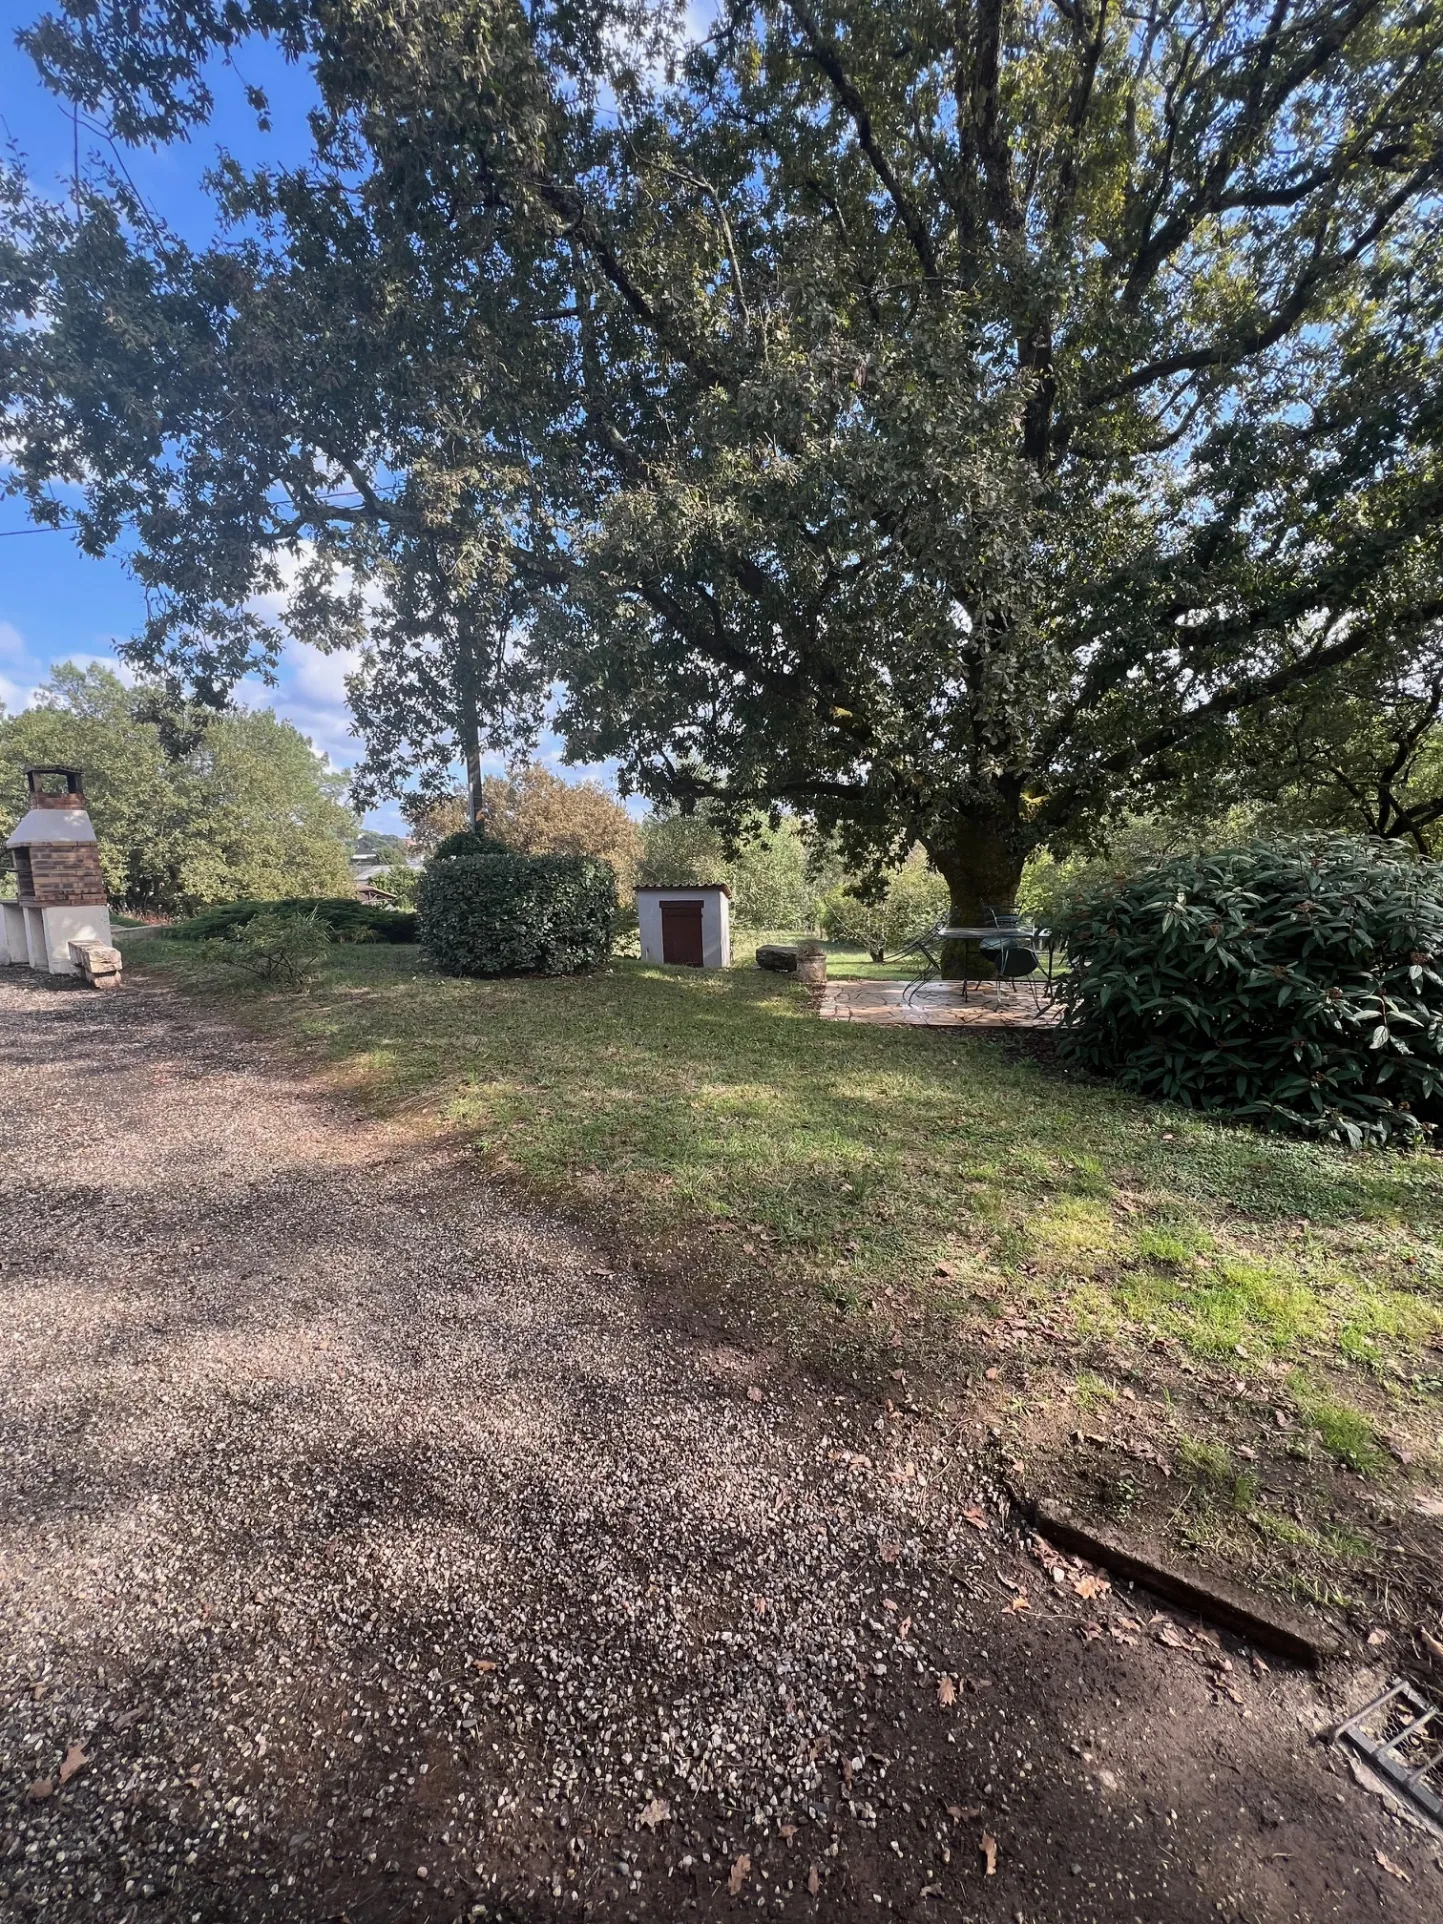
36 937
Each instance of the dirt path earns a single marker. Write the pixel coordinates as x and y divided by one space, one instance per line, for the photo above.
386 1559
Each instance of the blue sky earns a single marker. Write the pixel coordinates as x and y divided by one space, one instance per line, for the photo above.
55 603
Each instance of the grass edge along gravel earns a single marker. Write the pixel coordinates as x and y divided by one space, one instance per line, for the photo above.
895 1201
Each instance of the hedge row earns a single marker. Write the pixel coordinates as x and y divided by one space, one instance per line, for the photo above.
1298 985
484 913
347 919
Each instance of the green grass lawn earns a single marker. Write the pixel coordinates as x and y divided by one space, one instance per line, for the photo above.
1049 1254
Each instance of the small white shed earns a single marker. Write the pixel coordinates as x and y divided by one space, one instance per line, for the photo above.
690 924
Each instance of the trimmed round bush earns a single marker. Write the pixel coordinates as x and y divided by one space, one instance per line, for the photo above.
1293 984
347 919
509 914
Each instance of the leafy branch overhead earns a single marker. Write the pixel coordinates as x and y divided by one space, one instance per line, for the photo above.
949 422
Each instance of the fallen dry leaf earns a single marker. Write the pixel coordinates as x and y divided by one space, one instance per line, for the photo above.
987 1844
930 1890
1090 1632
75 1761
977 1517
1430 1642
958 1811
42 1788
1385 1863
759 1604
484 1664
814 1881
890 1552
1170 1637
1376 1637
1090 1586
657 1811
992 1374
898 1376
1019 1602
786 1832
754 1395
946 1691
944 1269
741 1871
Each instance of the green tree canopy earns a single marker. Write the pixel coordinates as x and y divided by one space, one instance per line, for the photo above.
186 813
945 421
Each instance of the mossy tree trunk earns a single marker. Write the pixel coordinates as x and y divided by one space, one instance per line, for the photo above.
982 863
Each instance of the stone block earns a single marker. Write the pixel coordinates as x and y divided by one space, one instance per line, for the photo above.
98 962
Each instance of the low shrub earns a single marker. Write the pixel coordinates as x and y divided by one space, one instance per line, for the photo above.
281 950
505 914
1294 984
346 919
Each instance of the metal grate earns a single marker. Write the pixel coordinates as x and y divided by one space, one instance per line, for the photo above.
1401 1735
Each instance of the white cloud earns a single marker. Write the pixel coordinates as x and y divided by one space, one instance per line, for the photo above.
14 695
12 642
321 678
310 692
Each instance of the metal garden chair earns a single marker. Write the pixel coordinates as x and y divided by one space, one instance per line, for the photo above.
1013 959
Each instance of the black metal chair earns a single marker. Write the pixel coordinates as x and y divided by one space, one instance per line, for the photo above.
1012 959
923 948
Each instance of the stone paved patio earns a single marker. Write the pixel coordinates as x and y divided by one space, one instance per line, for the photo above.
935 1005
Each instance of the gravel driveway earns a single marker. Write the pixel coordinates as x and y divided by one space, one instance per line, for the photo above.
369 1548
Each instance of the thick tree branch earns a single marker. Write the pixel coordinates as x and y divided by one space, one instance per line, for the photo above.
1253 690
826 57
1243 345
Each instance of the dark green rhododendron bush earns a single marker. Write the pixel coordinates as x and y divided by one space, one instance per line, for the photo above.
1293 984
484 914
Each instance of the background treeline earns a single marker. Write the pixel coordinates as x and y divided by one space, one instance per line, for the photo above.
194 808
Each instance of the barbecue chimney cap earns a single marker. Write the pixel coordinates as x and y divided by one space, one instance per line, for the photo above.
35 783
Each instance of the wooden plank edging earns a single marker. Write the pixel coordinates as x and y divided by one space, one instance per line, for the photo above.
1258 1620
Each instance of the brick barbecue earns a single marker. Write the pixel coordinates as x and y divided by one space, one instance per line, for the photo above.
60 900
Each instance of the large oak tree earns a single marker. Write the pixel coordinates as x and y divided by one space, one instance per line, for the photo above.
945 419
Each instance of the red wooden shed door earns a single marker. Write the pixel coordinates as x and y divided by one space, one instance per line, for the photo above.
681 933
